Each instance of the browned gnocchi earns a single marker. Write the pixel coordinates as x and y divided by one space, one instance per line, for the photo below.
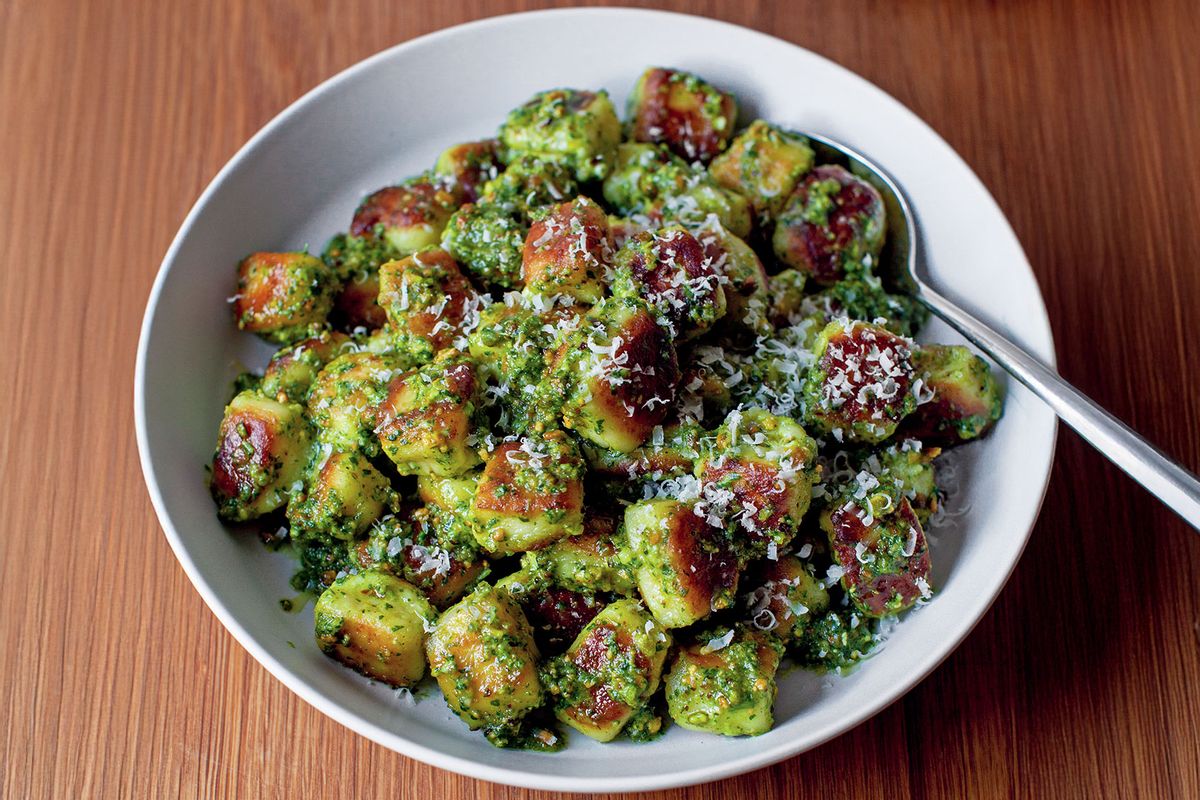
599 425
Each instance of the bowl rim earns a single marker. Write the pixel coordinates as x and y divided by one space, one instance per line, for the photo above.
412 747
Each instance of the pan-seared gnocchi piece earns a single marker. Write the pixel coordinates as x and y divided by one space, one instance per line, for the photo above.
724 682
592 561
374 622
787 599
355 260
484 658
650 182
425 547
879 549
283 297
528 184
428 422
345 396
762 467
410 216
610 670
831 227
671 271
262 448
292 370
687 568
429 303
908 466
861 384
963 399
530 494
742 275
343 495
578 129
558 615
567 252
511 344
642 175
671 451
683 111
622 371
468 166
764 163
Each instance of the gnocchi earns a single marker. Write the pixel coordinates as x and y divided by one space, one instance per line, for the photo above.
597 425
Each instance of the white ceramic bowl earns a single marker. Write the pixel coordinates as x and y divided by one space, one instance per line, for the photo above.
297 182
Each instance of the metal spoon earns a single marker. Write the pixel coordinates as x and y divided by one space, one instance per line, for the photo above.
1178 488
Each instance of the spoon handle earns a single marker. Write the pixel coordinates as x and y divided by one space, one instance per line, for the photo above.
1163 477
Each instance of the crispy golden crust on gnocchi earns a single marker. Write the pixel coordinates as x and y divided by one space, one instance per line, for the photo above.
687 568
409 217
530 495
484 658
861 386
567 252
468 166
610 670
426 423
375 623
762 468
882 552
283 296
832 226
427 300
345 396
689 115
672 272
342 496
262 447
624 373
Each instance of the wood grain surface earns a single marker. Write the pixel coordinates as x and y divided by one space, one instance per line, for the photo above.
116 681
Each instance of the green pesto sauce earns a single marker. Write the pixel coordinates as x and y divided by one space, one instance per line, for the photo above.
536 732
834 643
647 723
820 201
576 129
527 186
543 372
320 562
357 257
862 296
245 382
488 238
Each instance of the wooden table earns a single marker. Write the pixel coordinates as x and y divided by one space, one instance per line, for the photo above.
115 680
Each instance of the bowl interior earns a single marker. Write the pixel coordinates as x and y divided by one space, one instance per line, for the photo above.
297 183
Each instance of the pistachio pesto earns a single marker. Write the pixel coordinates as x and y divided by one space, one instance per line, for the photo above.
600 425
